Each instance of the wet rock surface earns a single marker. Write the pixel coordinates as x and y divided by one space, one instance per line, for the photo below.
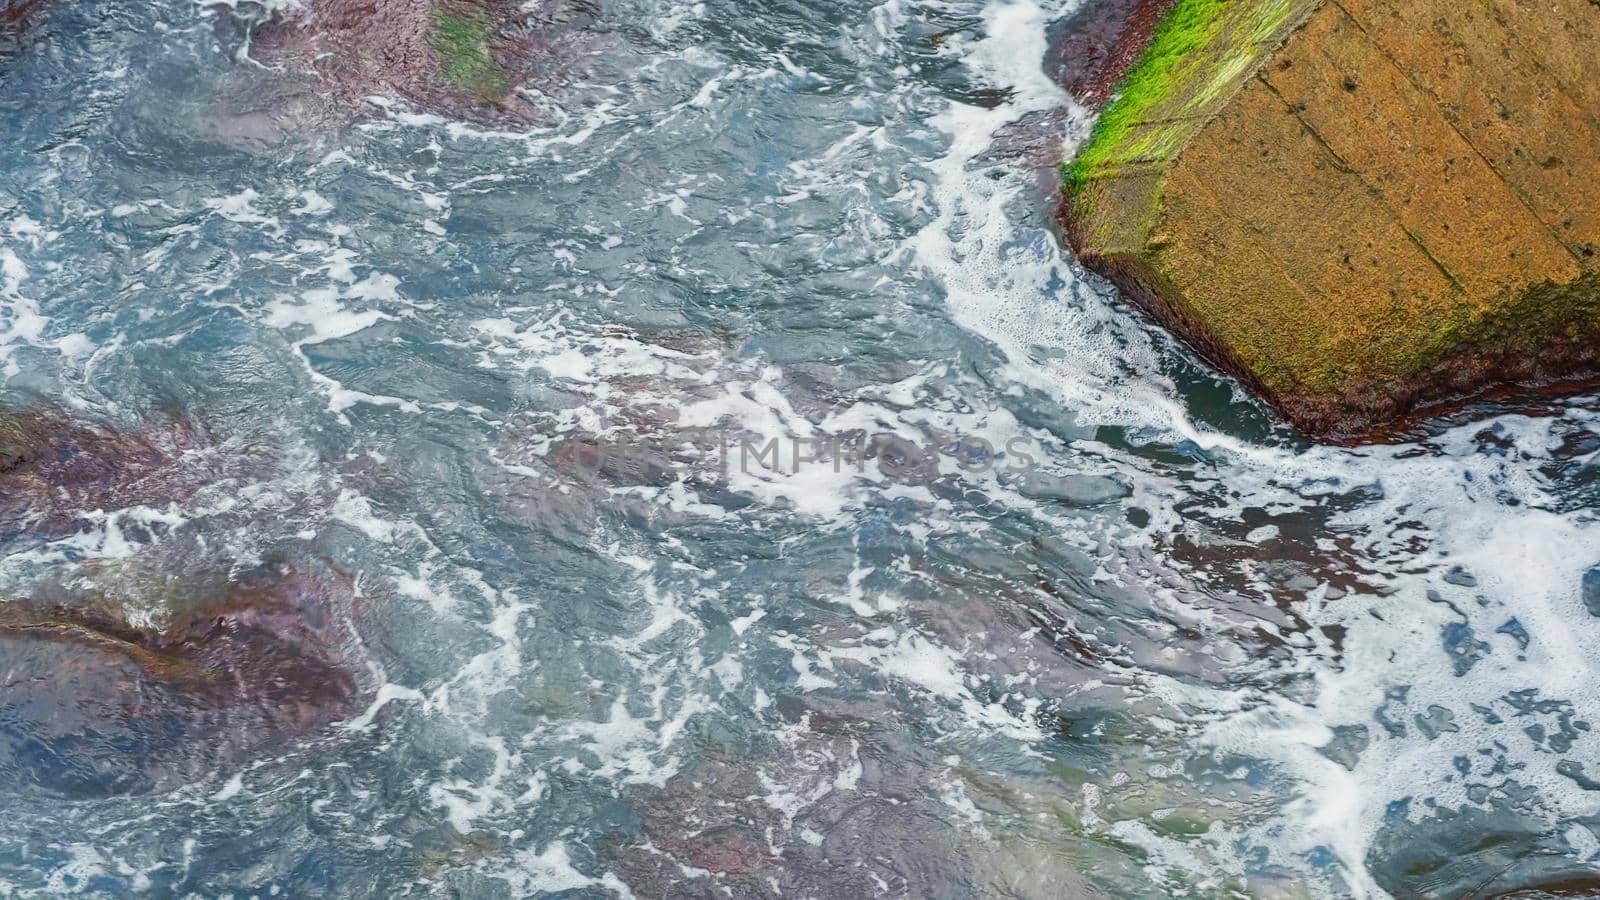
13 10
464 59
54 469
94 705
141 675
1366 211
16 18
1092 49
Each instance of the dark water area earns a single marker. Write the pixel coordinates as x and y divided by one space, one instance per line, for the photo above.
722 485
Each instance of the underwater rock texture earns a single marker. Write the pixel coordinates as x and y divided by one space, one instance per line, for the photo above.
53 467
434 54
1363 208
460 58
121 681
15 17
95 705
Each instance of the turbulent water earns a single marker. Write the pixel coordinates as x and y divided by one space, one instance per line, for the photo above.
1060 613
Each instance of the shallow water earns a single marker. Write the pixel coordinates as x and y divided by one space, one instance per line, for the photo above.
500 382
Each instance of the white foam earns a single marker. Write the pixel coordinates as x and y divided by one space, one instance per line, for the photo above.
23 323
551 871
1469 509
387 693
999 282
241 208
916 660
313 204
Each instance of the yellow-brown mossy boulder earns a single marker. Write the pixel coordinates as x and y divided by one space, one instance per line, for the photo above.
1365 209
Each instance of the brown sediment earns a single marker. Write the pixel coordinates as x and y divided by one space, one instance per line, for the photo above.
1575 886
1098 43
1387 209
17 18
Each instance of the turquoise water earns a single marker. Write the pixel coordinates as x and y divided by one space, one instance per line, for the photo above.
487 393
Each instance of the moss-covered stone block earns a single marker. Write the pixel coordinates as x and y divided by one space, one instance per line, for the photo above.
463 41
1363 208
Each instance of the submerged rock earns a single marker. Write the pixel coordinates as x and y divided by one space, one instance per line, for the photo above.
1074 490
1591 591
12 11
132 675
1363 209
54 467
95 705
15 18
461 58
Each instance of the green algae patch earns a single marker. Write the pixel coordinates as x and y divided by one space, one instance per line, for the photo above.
20 441
1152 80
462 40
12 450
1198 56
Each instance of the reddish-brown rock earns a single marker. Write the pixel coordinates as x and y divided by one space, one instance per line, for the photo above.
461 58
94 705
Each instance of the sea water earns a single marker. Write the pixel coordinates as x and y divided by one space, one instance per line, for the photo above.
744 494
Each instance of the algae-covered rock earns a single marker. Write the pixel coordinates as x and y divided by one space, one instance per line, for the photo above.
463 58
432 53
1091 48
1365 208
